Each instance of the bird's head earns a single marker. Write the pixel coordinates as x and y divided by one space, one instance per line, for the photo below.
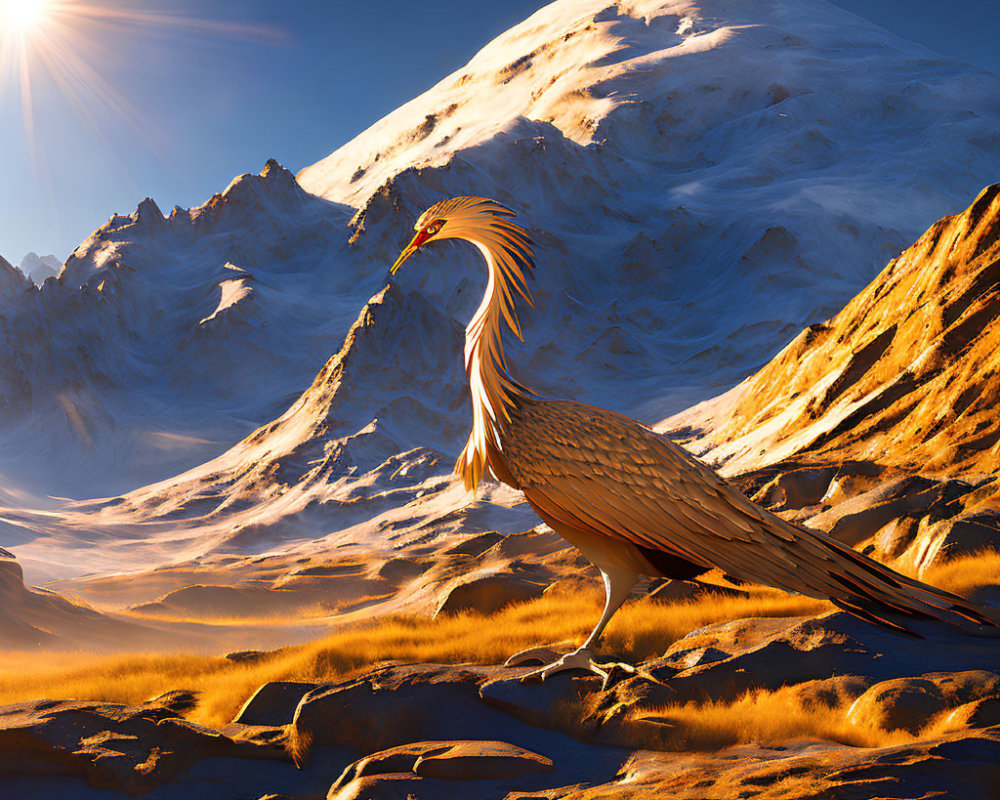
475 219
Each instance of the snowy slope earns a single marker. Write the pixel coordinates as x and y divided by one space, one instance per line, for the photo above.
165 340
703 178
706 177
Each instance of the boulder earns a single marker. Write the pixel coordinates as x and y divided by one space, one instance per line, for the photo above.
722 661
943 540
178 700
797 488
391 706
860 517
273 703
475 545
966 686
958 767
487 594
892 540
404 786
977 714
479 760
449 760
830 693
910 703
400 570
906 704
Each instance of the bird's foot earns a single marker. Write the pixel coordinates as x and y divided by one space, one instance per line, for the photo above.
553 663
611 672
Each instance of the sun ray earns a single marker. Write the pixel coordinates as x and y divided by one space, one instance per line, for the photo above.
19 17
60 39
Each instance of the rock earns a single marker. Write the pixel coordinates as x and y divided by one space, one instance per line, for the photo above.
862 516
120 748
475 545
392 706
832 692
536 703
895 537
448 760
398 759
487 594
795 489
273 703
943 540
903 704
539 541
178 701
977 714
771 653
966 686
430 770
400 570
583 707
955 767
480 761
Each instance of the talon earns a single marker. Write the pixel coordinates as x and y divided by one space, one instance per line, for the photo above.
543 655
583 658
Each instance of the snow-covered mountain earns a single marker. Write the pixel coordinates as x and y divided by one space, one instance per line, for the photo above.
703 178
38 268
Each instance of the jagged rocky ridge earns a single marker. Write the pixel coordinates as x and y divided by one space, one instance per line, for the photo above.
166 339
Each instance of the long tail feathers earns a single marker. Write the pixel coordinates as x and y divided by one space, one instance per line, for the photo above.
884 597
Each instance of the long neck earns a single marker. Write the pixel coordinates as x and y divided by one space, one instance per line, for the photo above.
493 390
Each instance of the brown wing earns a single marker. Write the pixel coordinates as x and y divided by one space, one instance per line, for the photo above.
606 474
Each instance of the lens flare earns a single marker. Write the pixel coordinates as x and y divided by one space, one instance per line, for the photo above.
61 40
21 16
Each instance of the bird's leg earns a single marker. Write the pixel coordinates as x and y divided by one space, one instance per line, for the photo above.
618 583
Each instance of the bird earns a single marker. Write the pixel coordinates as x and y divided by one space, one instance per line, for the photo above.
631 500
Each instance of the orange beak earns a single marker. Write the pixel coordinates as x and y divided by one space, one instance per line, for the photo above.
418 239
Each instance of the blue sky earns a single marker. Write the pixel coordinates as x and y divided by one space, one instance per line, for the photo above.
296 80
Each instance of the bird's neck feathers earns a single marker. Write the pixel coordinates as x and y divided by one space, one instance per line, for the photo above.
494 391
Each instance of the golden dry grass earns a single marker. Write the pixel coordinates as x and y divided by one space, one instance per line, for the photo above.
641 630
759 716
963 575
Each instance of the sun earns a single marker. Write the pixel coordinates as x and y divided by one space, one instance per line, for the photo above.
20 16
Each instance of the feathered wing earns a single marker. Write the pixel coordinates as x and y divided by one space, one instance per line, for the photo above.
606 474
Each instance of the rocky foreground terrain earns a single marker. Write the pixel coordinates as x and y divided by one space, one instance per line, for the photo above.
427 731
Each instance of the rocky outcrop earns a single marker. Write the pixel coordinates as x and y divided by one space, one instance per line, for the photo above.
487 594
878 426
113 747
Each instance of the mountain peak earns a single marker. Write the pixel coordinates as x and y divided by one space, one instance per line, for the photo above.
274 182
